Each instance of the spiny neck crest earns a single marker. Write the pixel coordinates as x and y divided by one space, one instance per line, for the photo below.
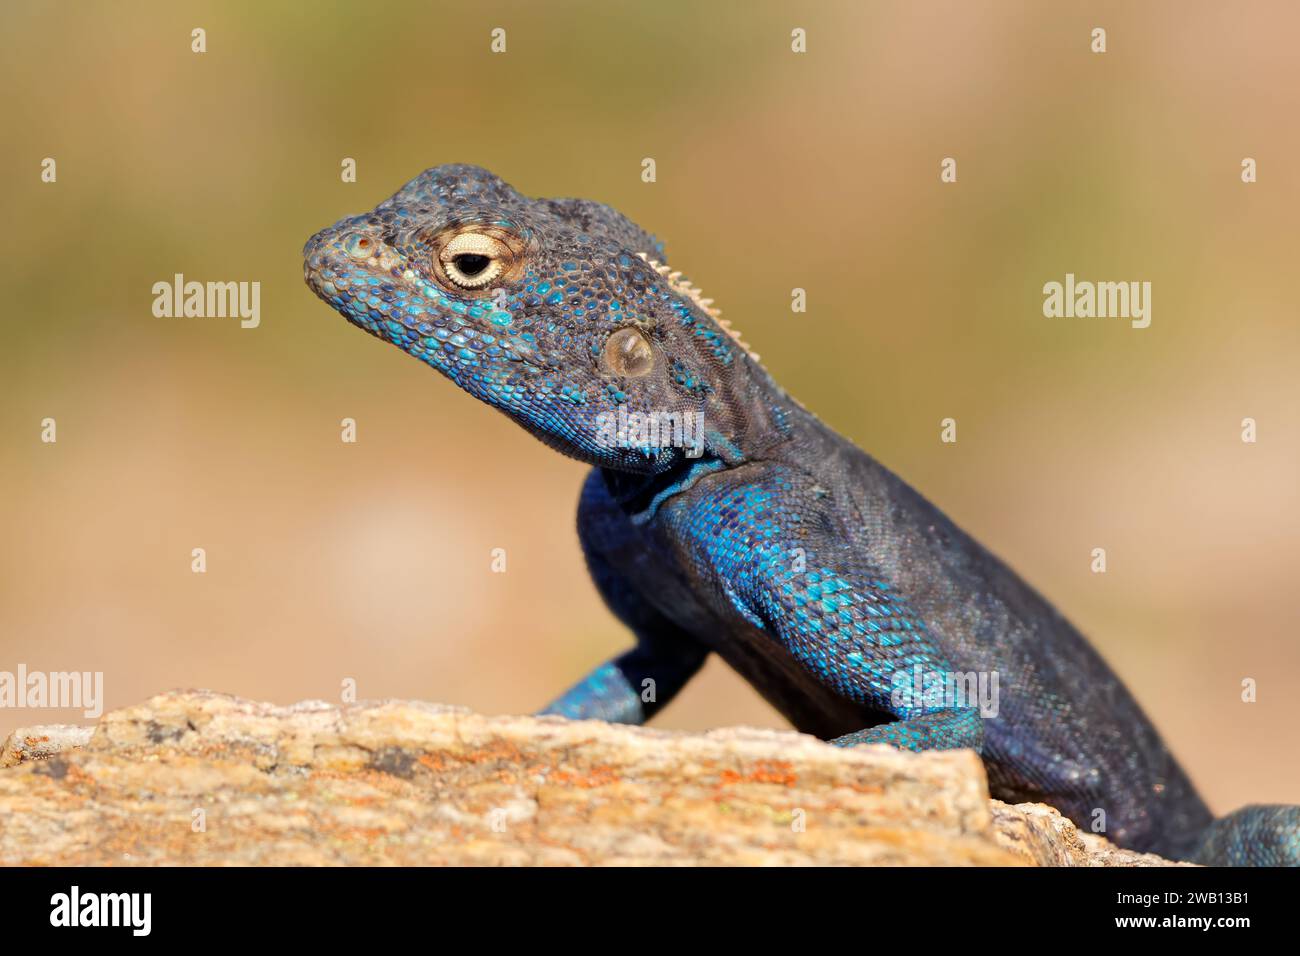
679 284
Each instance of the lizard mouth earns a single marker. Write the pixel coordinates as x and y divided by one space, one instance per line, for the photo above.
318 266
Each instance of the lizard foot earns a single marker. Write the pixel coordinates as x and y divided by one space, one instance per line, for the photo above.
938 730
1257 835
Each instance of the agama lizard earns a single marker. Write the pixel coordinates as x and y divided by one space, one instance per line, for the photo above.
849 601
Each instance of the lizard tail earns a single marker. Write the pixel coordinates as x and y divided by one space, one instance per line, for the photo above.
1257 835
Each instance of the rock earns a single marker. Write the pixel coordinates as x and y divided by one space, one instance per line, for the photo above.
1042 837
196 778
34 743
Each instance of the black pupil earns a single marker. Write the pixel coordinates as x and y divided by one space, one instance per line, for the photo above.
471 264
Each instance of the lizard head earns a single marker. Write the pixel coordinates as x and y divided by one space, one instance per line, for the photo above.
558 312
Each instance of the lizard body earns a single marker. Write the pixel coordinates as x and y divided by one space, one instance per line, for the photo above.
846 598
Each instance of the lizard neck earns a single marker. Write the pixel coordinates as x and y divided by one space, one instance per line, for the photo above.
746 421
752 420
641 496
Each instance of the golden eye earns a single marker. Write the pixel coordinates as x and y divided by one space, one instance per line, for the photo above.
472 260
628 352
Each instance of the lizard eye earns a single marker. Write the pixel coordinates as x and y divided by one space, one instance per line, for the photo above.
627 352
472 260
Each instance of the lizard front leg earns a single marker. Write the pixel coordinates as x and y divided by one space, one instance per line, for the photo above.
632 687
862 640
774 557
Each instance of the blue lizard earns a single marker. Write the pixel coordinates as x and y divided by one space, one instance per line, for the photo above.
721 516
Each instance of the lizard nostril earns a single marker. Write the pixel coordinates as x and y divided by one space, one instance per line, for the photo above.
359 246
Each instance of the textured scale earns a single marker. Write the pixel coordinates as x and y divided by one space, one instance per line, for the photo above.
815 572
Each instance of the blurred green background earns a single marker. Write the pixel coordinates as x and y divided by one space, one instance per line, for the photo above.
370 561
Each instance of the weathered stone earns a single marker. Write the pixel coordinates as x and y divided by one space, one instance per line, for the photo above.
203 778
35 743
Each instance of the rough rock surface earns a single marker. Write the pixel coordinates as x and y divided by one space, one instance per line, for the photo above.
203 778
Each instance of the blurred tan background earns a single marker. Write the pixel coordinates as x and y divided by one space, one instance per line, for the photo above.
329 561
